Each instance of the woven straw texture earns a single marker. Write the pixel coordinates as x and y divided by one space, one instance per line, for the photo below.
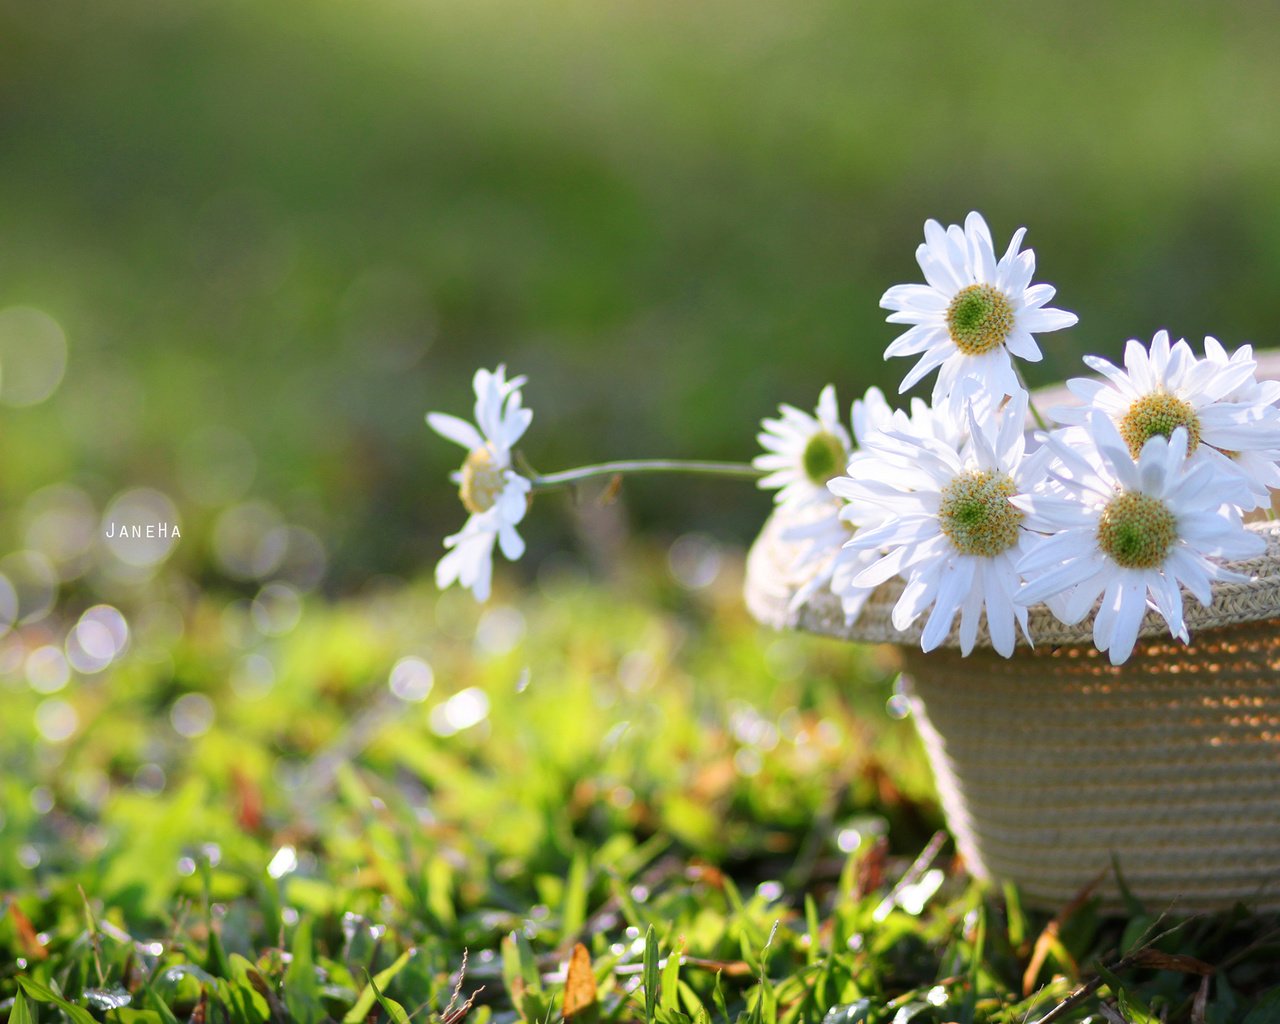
1053 764
771 586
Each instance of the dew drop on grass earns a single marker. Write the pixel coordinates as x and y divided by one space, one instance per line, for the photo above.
914 898
769 891
107 998
898 706
283 863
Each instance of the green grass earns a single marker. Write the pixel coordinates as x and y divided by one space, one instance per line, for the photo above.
724 818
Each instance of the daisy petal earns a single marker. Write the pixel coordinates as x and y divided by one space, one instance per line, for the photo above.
456 430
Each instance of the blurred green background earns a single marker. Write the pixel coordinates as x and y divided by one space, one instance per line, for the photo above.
274 234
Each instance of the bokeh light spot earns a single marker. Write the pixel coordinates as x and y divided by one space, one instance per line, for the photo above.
192 715
276 610
33 356
411 679
695 560
254 677
34 584
47 669
56 720
499 630
464 709
97 639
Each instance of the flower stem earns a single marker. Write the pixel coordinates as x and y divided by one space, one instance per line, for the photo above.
1031 403
733 470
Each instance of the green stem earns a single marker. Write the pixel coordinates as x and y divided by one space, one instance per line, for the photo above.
628 467
1031 402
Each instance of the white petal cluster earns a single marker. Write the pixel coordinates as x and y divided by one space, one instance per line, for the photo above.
1135 499
1230 418
490 488
802 453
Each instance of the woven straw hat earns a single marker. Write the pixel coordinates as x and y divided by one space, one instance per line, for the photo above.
1055 768
1053 764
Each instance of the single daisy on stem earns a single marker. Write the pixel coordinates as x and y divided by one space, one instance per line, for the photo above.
1131 531
494 494
497 495
974 314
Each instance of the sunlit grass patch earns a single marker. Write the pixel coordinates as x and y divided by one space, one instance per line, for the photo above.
403 783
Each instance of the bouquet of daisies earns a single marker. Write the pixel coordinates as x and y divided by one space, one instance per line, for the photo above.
1137 494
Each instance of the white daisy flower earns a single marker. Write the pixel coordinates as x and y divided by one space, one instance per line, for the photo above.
974 314
1130 531
942 519
1230 419
824 562
803 452
495 494
1260 467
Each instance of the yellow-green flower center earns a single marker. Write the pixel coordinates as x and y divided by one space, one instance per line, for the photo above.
1158 413
824 457
976 515
1136 530
979 319
483 481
